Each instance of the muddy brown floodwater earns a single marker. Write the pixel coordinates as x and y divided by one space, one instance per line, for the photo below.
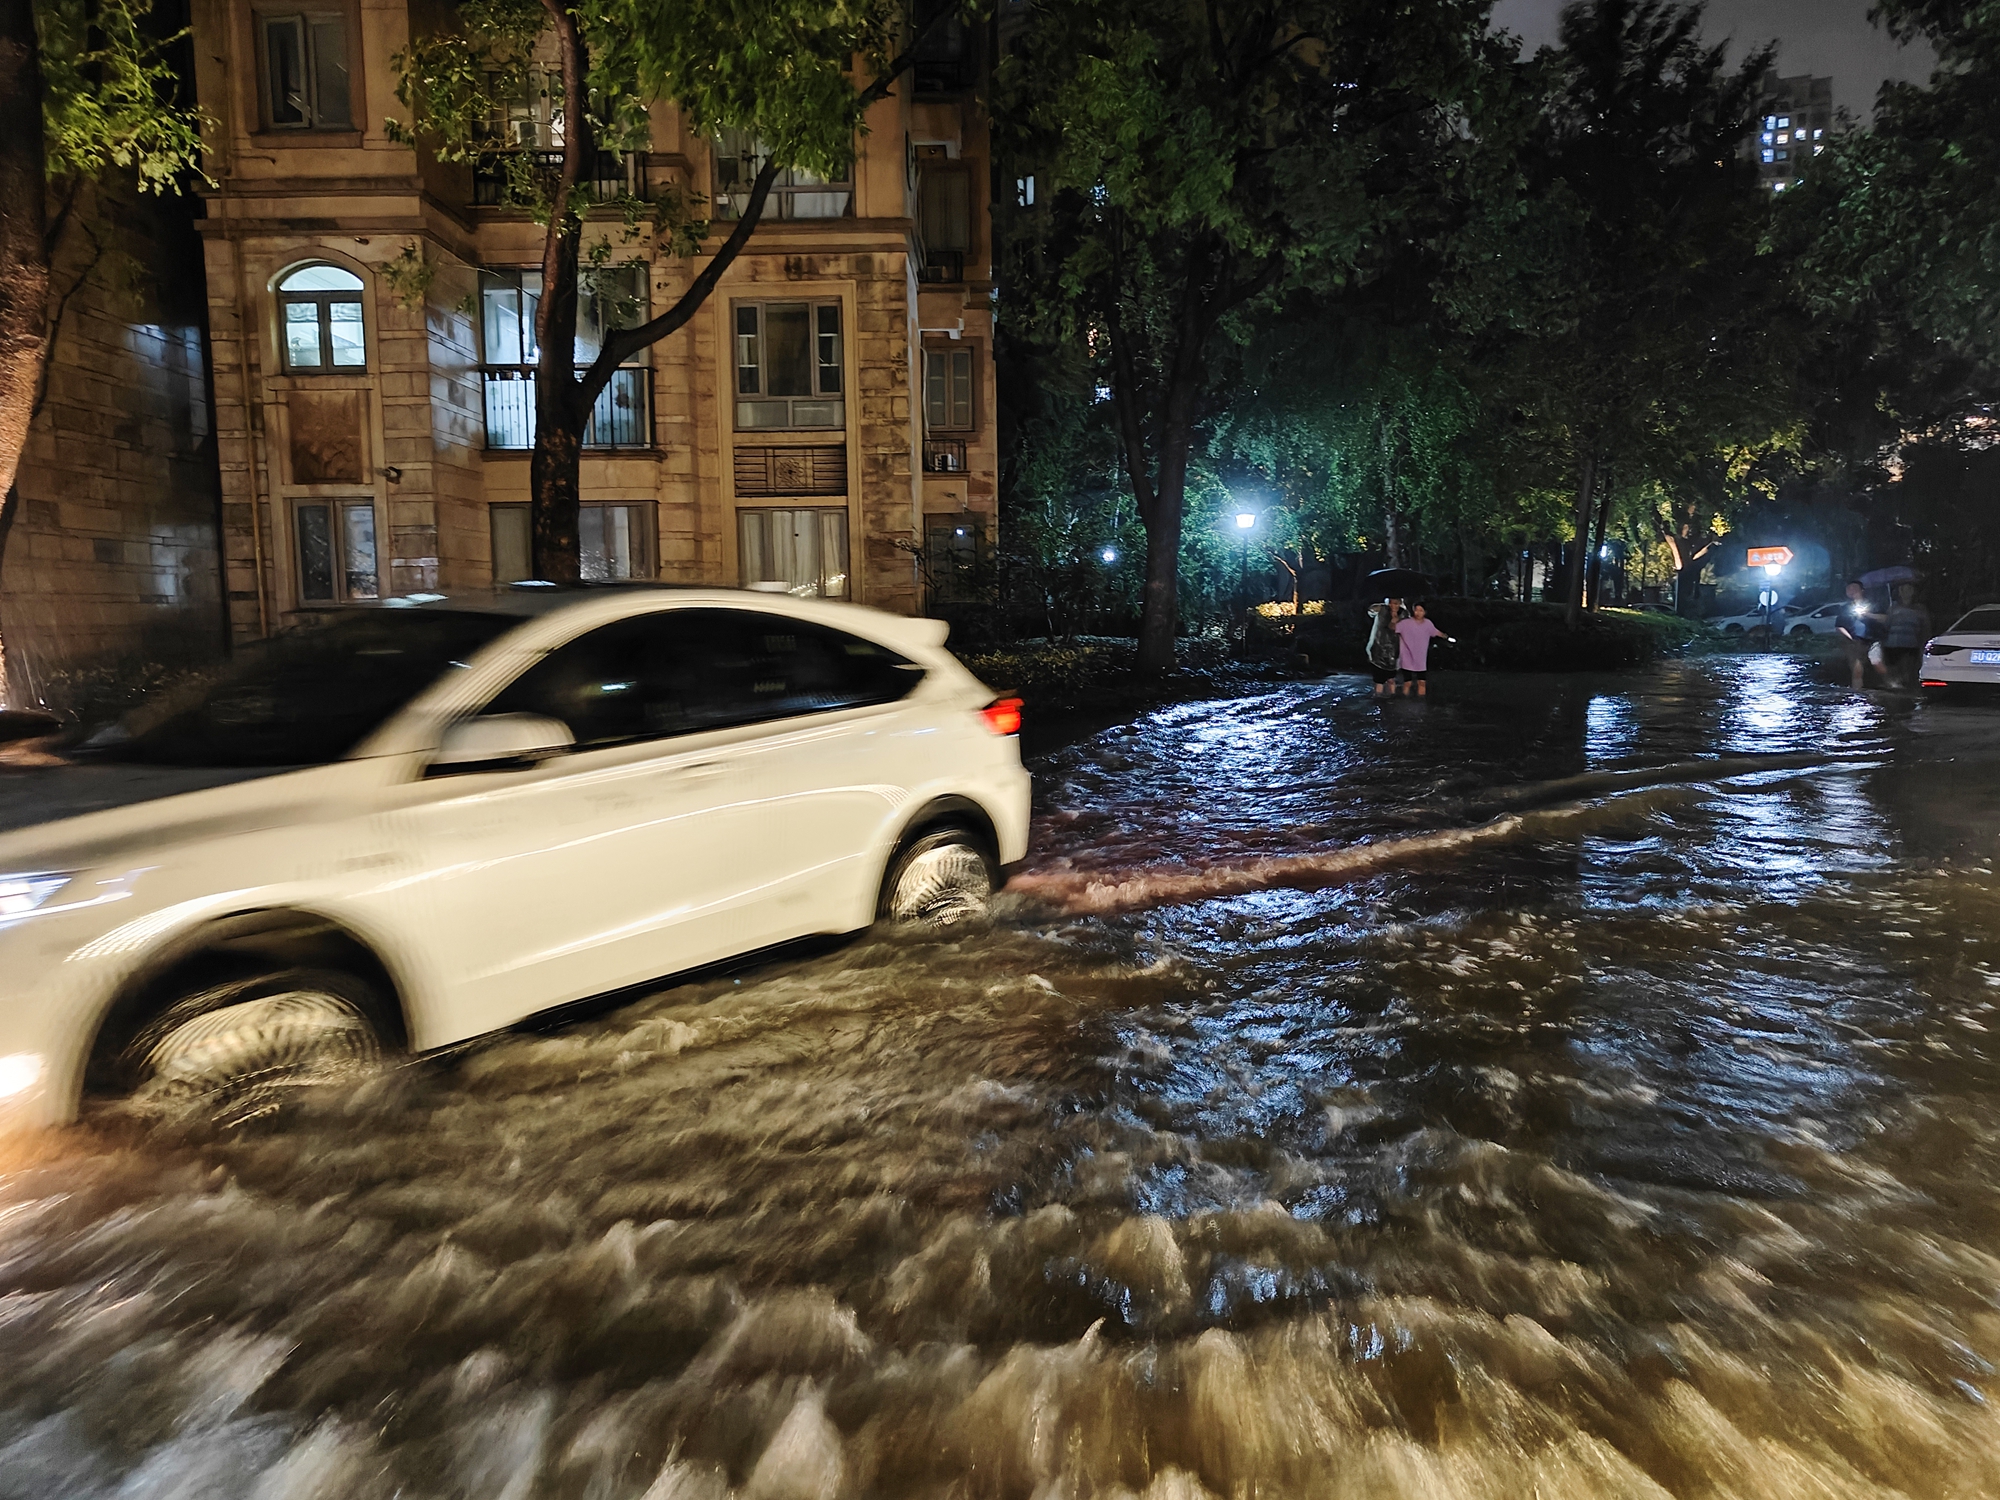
1579 1088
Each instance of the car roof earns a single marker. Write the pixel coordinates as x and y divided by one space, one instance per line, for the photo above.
527 602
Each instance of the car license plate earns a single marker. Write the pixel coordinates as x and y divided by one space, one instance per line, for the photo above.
1986 658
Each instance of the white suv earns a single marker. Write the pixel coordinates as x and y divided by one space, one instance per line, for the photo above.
414 825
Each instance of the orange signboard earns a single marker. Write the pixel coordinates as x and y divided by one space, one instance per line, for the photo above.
1770 557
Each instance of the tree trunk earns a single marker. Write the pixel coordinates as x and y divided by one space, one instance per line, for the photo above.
1159 614
1586 486
24 254
1597 547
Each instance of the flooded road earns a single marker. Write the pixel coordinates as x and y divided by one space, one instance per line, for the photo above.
1556 1088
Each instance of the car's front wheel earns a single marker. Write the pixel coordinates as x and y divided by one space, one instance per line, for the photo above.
238 1050
939 879
1802 630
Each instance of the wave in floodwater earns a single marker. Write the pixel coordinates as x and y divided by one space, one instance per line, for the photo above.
1661 1164
1101 892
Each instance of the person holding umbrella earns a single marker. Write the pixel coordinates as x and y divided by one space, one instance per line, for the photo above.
1384 646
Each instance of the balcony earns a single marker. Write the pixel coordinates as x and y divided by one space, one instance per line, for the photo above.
621 418
942 265
617 175
944 455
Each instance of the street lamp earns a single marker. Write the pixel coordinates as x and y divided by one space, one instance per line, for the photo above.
1109 554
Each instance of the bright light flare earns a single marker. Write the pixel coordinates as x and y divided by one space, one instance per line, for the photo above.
1245 520
21 894
1109 554
19 1072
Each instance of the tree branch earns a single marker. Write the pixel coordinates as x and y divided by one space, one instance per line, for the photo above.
623 344
903 61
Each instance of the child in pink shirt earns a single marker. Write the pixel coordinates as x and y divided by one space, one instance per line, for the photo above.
1413 648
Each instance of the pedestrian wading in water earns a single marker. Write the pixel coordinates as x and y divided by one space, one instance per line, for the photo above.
1384 648
1413 650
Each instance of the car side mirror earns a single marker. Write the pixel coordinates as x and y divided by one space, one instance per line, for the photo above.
499 742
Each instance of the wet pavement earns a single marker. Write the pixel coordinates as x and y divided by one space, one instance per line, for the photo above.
1573 1087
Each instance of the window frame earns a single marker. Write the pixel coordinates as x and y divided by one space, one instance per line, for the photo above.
512 379
787 190
324 302
642 523
747 513
952 353
304 17
337 507
816 362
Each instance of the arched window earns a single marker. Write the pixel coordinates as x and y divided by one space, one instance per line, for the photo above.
320 309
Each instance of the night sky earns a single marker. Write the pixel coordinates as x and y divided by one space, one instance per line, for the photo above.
1823 37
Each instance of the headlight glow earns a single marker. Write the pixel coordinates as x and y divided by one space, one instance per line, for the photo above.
20 894
19 1072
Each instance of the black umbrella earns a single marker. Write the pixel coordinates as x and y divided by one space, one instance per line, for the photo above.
1397 583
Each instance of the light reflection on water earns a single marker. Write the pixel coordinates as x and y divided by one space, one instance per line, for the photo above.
1647 1150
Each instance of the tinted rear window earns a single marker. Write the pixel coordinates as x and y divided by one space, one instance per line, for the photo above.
306 697
1979 622
681 671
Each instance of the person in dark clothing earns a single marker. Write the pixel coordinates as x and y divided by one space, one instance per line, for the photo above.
1907 627
1384 647
1857 631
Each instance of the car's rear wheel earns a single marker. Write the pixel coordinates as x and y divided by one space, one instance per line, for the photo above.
239 1050
1802 630
940 878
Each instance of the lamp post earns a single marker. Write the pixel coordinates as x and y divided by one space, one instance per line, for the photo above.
1769 598
1246 521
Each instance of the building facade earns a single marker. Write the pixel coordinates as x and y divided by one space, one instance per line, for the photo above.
823 425
1795 120
111 573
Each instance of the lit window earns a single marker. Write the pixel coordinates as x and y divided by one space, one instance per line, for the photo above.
321 310
1769 156
305 71
1779 187
1783 139
1784 156
1818 149
336 551
1784 122
608 297
788 365
1818 133
795 192
805 550
1770 122
614 543
1767 137
1024 191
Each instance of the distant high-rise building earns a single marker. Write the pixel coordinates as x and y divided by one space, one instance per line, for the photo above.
1795 119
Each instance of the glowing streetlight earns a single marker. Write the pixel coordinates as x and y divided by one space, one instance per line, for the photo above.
1109 554
1245 520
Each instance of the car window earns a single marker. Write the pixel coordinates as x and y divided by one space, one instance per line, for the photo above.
680 671
305 697
1979 622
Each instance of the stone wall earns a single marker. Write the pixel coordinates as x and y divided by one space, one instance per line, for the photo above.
112 562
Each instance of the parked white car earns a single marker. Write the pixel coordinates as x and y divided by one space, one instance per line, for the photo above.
415 825
1825 620
1967 655
1781 620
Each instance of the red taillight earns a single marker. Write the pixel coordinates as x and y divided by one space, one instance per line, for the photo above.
1003 715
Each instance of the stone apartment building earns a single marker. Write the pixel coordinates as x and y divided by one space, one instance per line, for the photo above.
824 425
